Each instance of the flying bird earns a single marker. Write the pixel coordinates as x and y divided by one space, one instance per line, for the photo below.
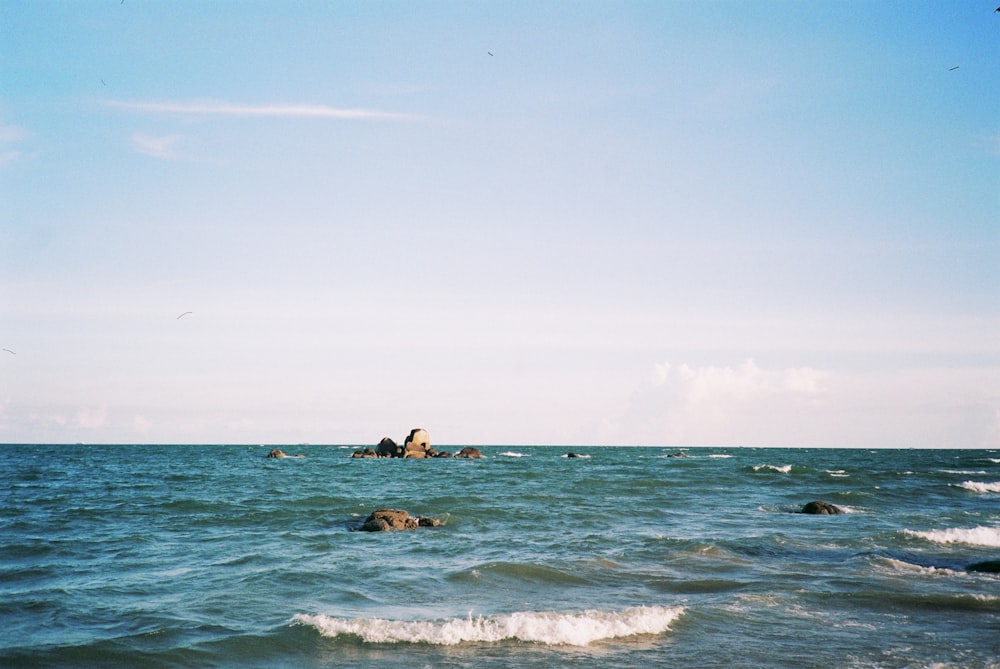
184 314
10 351
952 69
490 52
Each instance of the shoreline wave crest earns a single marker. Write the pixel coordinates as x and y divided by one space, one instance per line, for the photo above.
550 628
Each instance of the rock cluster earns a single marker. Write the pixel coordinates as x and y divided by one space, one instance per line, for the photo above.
278 453
416 445
390 520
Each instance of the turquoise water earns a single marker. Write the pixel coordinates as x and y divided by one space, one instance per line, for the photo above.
182 556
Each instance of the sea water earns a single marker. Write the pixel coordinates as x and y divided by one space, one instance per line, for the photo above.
188 556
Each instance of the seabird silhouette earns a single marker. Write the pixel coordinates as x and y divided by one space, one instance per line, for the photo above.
490 52
952 69
184 314
10 351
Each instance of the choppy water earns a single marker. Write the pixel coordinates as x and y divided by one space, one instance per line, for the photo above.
181 556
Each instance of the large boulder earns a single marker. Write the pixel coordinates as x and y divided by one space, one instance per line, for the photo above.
469 452
417 444
390 520
821 508
387 448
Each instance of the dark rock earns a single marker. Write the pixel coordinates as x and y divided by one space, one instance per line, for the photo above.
571 454
390 520
387 448
469 452
987 566
365 453
821 508
277 453
443 454
678 454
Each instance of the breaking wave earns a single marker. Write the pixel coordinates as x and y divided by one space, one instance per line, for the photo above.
976 536
514 454
976 486
571 629
784 469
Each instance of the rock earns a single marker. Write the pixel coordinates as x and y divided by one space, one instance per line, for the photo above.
571 454
821 508
443 454
417 443
469 452
387 448
678 454
390 520
987 566
276 453
365 453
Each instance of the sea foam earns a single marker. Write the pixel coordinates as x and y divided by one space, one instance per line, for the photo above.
976 486
550 628
784 469
976 536
514 454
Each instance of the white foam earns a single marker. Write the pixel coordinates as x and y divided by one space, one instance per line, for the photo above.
909 567
512 454
571 629
976 486
996 460
976 536
720 455
784 470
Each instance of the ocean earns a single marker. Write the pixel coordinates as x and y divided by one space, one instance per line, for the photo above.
216 556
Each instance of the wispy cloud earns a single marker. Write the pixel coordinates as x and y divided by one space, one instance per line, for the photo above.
220 108
157 147
10 134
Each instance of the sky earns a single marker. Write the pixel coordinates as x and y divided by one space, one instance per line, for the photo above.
676 223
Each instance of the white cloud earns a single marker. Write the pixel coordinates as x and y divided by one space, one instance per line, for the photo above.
802 406
10 134
221 108
91 418
157 147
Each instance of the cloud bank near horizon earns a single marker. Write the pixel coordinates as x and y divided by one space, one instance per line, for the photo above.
232 109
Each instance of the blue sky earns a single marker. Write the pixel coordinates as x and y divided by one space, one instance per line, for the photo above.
657 223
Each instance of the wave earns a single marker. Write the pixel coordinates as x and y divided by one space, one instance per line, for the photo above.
785 469
976 486
720 455
901 566
976 536
550 628
513 454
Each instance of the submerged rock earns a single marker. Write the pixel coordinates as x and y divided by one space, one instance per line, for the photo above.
390 520
276 453
821 508
469 452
